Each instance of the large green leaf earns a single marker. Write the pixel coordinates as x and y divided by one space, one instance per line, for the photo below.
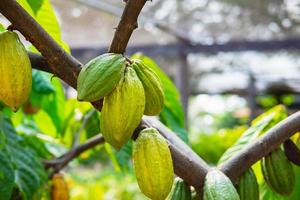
260 125
35 5
172 114
21 168
41 82
53 104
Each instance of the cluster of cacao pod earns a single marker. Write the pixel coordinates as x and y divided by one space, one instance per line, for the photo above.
129 89
153 166
15 71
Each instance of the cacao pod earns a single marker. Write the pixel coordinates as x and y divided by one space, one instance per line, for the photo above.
292 152
100 76
15 71
278 172
218 186
123 110
247 187
180 191
59 189
153 165
153 88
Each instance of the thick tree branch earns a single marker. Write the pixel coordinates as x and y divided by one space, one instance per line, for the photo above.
238 164
126 25
60 62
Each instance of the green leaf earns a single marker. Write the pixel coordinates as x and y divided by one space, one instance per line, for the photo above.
2 139
22 167
53 104
169 120
259 126
93 124
2 28
124 156
172 114
35 5
41 82
7 175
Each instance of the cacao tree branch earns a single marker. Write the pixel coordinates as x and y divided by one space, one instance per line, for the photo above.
126 25
238 164
59 163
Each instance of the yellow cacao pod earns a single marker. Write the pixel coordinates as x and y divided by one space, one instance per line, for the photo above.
15 71
100 76
59 189
153 165
153 88
123 110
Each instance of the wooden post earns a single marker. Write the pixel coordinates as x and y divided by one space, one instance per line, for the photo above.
182 82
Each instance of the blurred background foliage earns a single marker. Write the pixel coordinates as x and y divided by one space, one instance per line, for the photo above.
53 121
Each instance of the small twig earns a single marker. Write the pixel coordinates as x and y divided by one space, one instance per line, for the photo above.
59 163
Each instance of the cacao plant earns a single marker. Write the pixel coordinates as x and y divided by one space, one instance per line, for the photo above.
180 190
100 76
278 172
15 71
247 186
217 186
153 165
59 188
153 88
123 110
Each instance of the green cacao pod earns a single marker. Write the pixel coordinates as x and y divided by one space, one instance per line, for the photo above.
15 71
123 110
180 191
218 186
153 88
278 172
100 76
247 187
153 165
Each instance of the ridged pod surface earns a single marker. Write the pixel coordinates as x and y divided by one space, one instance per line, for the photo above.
218 186
153 165
278 172
100 76
180 191
59 189
153 88
247 187
123 110
15 71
